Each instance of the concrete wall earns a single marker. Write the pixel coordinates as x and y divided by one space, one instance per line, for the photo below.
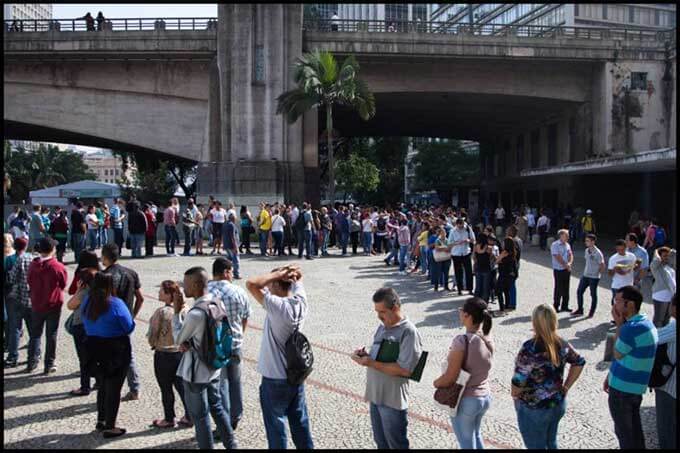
160 106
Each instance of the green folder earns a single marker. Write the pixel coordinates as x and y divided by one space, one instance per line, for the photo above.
389 353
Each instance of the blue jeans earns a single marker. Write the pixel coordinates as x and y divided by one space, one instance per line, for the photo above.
278 242
202 399
305 240
440 273
424 262
264 236
367 242
118 238
93 238
132 371
78 244
467 422
403 252
233 257
625 411
483 285
394 252
513 294
587 282
136 242
49 321
16 313
231 389
170 239
539 426
324 244
103 236
280 400
389 427
666 420
344 240
188 239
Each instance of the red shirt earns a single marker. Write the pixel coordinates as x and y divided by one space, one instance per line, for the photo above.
150 225
47 280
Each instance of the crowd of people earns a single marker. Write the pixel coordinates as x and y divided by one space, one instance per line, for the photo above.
193 358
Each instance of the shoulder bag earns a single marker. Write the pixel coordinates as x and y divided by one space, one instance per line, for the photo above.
441 255
450 396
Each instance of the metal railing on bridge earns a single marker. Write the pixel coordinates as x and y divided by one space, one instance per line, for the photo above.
530 31
125 24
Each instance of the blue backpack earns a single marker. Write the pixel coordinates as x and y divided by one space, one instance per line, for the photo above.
659 237
216 344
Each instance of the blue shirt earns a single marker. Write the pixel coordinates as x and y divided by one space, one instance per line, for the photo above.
115 322
115 213
642 255
558 248
637 343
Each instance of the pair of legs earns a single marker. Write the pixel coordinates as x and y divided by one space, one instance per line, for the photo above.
165 369
461 263
280 401
587 282
561 290
467 422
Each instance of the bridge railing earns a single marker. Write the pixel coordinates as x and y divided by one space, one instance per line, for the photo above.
124 24
537 31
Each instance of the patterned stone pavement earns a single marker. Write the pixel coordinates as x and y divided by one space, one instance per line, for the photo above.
39 413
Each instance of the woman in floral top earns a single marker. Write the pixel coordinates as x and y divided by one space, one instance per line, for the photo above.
537 385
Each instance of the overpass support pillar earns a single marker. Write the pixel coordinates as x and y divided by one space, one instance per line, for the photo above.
255 155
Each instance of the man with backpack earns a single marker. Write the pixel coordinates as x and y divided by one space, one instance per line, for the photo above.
303 225
204 338
285 356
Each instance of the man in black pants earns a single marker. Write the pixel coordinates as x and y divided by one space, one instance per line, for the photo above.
562 259
462 238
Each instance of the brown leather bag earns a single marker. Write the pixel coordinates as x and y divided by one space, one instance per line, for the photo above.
449 396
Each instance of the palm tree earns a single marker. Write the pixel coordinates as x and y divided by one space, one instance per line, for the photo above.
321 83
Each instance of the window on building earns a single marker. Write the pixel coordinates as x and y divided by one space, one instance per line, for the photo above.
258 75
576 11
604 11
631 14
638 80
657 17
572 139
552 144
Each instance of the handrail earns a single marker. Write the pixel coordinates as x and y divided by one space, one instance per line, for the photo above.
488 29
112 24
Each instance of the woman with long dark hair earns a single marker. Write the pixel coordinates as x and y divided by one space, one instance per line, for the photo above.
507 273
88 266
472 352
482 266
246 229
108 324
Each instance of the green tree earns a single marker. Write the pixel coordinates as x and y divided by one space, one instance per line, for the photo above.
321 83
156 185
44 167
442 166
357 175
148 164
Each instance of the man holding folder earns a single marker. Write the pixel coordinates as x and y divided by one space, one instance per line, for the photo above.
395 357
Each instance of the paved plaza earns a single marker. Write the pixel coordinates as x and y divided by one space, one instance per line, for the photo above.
39 413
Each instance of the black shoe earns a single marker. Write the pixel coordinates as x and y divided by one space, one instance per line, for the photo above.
567 309
50 370
115 432
99 426
577 313
31 368
436 288
10 364
460 293
216 435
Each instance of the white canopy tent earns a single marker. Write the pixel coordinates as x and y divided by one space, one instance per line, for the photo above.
59 195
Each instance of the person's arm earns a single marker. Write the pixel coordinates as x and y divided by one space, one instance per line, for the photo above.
124 318
667 333
139 300
75 300
603 266
256 285
184 326
576 364
455 363
622 344
523 369
570 259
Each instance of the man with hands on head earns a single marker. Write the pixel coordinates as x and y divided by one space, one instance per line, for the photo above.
283 297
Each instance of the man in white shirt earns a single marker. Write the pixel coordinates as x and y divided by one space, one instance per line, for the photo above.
500 215
335 21
462 238
283 297
542 227
621 268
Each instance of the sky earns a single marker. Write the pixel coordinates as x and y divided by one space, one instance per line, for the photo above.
131 10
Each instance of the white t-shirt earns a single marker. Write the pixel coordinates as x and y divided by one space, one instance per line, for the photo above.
500 213
219 215
665 295
230 212
367 225
627 261
374 216
531 220
91 220
278 223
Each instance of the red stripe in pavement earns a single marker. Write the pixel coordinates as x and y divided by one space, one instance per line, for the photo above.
355 396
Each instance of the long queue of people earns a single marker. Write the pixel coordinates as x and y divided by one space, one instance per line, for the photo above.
191 359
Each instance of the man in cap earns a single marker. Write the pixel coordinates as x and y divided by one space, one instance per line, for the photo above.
588 223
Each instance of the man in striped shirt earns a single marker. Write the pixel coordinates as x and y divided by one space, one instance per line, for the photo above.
634 349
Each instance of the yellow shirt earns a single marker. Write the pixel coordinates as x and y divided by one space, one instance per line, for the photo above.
422 238
587 224
265 220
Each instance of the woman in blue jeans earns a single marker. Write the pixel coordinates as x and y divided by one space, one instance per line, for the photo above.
538 387
482 257
472 352
440 274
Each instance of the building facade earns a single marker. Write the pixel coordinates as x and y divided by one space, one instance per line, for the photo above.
397 12
20 11
106 166
628 15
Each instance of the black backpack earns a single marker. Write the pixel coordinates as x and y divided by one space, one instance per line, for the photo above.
300 222
662 369
299 355
382 223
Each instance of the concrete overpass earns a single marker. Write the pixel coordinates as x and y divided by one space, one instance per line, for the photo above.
209 95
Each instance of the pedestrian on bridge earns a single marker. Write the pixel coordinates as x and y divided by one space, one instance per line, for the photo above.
100 21
89 21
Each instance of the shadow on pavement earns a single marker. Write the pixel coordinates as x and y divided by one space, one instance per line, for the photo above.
59 414
17 401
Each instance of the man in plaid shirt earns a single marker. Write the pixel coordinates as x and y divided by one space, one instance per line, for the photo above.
237 305
19 304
